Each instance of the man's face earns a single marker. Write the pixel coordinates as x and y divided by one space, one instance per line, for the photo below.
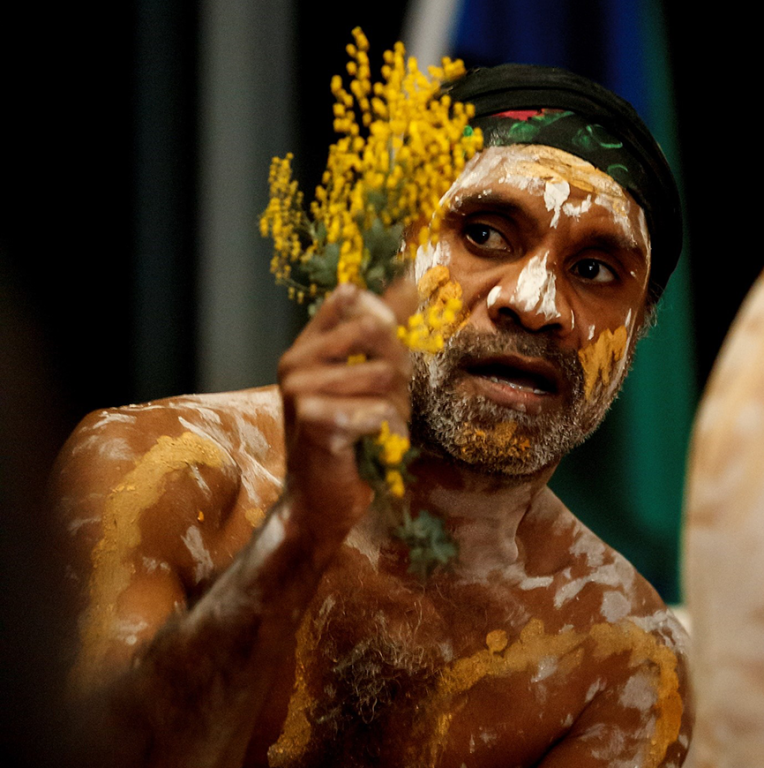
552 259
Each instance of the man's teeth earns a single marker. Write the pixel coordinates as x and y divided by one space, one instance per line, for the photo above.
517 385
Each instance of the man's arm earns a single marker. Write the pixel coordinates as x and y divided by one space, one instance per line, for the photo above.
644 714
178 680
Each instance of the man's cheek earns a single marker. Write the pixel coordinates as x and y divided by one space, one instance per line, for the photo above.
437 292
600 358
429 256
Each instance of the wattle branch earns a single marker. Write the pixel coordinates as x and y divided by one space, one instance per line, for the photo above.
402 145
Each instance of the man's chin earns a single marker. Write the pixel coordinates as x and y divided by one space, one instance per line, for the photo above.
484 436
454 422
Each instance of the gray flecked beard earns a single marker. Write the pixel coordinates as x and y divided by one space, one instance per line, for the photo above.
492 438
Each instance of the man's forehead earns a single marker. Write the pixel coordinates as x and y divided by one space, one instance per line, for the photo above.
531 105
554 174
534 166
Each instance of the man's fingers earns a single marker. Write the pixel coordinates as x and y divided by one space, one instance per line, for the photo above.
330 403
332 310
375 377
346 302
338 423
365 334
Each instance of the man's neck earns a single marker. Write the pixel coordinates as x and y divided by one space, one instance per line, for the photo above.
481 511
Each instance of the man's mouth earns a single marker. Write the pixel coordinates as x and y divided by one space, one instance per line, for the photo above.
514 380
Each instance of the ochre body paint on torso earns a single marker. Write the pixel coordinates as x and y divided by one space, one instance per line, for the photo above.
187 481
464 672
387 670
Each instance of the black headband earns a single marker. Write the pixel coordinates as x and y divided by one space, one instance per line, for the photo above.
587 120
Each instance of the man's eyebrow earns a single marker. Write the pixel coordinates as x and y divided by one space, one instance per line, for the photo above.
483 200
615 241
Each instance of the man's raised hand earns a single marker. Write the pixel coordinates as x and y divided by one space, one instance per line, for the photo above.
329 403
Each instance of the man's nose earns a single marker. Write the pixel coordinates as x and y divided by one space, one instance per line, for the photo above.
530 294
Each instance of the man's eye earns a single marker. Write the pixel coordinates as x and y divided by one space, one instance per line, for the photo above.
485 236
595 271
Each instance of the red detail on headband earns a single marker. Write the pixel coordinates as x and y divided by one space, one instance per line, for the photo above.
520 114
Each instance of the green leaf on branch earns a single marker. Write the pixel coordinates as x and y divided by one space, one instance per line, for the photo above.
370 467
321 268
382 245
428 541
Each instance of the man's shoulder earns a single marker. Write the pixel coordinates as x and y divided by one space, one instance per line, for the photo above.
250 418
228 444
595 582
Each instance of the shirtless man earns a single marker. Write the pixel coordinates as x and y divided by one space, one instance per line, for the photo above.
241 604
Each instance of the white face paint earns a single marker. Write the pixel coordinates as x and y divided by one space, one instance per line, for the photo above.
556 194
429 256
550 173
575 210
493 296
535 289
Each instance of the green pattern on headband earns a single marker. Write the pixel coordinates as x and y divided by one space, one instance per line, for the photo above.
591 122
593 136
619 173
571 132
527 131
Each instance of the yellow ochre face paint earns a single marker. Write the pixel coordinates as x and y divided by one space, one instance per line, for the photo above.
599 358
437 292
500 440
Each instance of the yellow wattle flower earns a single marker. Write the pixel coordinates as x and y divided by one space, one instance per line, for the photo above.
394 448
401 147
395 483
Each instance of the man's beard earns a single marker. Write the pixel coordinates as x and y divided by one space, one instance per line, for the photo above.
496 439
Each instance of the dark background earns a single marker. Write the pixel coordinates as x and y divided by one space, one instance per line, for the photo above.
79 99
86 89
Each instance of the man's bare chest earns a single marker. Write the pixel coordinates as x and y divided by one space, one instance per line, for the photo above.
386 677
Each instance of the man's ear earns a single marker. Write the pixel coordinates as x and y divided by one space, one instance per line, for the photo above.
650 312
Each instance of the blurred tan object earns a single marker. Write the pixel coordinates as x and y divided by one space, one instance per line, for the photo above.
724 550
